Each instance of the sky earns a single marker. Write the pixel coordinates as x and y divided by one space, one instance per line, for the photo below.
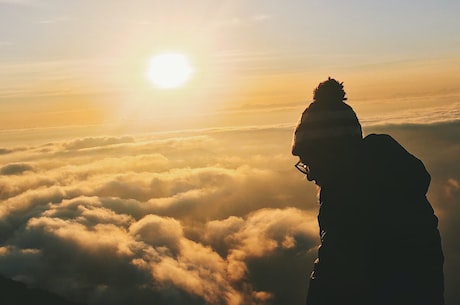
84 63
114 190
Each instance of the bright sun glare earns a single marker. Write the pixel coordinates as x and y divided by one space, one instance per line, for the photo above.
169 70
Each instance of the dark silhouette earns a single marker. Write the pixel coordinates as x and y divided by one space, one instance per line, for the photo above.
380 244
16 293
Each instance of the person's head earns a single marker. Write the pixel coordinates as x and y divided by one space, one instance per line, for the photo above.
327 132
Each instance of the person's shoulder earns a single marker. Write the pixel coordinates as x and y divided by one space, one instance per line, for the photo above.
385 148
379 141
378 138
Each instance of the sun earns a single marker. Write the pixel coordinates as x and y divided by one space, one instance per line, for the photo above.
169 70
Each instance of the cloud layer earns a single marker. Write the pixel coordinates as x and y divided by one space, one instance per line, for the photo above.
220 217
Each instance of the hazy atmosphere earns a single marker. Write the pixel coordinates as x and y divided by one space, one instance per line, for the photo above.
122 181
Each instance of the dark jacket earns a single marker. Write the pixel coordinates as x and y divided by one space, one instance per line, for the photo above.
379 239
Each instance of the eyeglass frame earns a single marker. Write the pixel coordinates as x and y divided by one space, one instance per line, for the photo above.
302 167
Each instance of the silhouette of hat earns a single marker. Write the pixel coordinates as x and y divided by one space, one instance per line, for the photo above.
327 119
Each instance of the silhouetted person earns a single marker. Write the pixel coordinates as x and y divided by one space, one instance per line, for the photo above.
380 244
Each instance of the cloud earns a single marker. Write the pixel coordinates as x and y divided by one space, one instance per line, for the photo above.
260 18
264 232
189 218
452 188
4 44
4 151
15 169
158 232
96 142
58 19
243 21
448 112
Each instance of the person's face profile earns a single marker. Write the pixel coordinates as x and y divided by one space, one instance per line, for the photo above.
320 163
314 167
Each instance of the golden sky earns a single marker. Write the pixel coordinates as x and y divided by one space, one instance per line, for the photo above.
87 63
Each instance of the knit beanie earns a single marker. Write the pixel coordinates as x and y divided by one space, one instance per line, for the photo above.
328 119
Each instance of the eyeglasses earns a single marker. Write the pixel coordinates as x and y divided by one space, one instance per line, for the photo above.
303 168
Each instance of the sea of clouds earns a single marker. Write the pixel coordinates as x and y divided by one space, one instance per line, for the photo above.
217 216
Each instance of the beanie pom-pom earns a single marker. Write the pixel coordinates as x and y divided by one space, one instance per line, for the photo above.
329 91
